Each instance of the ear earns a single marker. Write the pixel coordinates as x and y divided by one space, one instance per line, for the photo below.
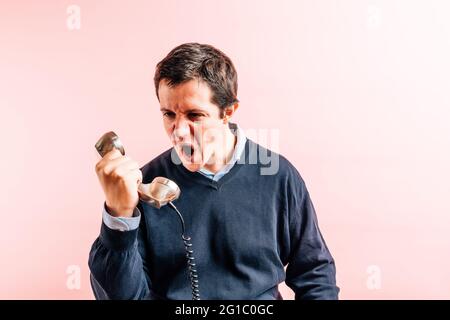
228 112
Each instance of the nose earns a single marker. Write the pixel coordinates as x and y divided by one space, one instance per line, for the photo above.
181 130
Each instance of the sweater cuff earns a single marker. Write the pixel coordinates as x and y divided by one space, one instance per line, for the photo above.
118 240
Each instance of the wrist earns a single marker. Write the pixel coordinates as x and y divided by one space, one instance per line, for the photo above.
119 212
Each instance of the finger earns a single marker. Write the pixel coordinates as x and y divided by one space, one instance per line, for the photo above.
112 165
126 167
133 176
113 154
137 175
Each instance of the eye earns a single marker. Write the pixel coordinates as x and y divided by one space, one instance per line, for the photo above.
195 115
169 114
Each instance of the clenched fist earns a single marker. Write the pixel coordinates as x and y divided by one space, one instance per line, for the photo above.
119 177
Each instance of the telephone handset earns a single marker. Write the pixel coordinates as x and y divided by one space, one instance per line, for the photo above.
158 193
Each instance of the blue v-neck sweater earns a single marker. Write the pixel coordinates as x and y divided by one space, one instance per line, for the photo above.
245 229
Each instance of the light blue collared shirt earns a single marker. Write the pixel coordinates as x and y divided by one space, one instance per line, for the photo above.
128 224
238 150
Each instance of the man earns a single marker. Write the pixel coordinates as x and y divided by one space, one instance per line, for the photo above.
247 221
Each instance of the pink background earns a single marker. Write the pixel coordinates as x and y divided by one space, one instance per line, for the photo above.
358 91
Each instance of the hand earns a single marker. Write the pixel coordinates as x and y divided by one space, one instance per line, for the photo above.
119 177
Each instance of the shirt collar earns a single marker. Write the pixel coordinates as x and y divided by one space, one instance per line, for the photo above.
237 153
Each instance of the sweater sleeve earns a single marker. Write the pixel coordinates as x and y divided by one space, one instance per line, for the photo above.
118 265
311 271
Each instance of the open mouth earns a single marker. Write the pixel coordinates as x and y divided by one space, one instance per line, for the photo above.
188 151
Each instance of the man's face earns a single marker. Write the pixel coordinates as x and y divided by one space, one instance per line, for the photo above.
193 123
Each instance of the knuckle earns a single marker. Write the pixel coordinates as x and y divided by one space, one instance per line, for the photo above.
98 166
105 169
108 170
115 173
119 174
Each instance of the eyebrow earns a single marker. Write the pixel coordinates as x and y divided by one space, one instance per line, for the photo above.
189 110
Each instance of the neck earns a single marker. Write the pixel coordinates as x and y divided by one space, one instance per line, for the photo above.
221 157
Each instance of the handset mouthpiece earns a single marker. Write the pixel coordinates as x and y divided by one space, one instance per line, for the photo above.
159 192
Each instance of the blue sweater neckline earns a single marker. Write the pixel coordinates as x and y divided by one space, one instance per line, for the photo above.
197 177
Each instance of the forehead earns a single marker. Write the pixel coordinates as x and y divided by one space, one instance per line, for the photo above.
186 95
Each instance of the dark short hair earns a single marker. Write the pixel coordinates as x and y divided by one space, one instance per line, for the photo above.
191 61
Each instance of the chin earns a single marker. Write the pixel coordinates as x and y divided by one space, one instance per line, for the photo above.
193 167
